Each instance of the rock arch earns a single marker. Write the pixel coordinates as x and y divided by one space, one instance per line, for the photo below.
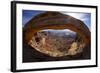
55 20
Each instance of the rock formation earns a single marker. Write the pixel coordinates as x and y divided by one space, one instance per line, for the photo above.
34 35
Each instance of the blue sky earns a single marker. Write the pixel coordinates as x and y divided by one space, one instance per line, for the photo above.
29 14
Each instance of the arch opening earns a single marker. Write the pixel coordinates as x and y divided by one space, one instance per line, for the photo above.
57 42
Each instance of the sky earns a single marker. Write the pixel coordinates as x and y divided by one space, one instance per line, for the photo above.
29 14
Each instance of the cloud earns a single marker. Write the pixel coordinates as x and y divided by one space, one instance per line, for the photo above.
85 17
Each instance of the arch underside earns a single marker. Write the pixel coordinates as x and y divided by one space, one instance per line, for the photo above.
30 32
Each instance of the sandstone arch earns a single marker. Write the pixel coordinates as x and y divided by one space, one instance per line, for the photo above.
55 20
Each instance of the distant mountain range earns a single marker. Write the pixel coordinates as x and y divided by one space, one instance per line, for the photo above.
60 33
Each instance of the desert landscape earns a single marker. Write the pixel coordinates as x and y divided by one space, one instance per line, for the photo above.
53 36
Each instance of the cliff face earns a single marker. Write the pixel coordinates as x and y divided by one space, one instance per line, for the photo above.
57 21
